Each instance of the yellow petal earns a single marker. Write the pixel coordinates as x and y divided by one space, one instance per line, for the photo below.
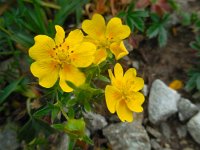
135 101
100 55
95 28
123 112
112 97
72 74
74 37
118 71
130 73
118 49
176 84
60 35
46 71
43 47
116 31
83 55
138 84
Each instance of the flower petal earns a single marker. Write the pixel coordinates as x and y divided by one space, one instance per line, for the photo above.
43 48
118 49
118 71
60 35
83 55
112 97
46 71
116 31
74 37
123 112
135 102
100 55
95 27
138 84
72 74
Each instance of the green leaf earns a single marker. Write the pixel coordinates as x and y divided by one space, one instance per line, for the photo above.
195 45
87 106
129 21
162 37
186 18
9 89
33 128
130 7
153 30
71 112
75 126
42 112
121 14
191 84
155 17
103 78
139 24
139 13
198 82
87 140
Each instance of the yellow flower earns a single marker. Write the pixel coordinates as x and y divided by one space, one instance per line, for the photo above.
61 58
106 37
176 84
122 95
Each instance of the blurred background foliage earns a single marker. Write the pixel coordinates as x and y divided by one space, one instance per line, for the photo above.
21 20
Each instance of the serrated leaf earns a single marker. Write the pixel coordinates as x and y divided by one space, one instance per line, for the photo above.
129 22
138 23
139 13
162 37
153 30
191 84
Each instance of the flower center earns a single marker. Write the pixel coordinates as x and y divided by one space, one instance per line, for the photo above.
62 54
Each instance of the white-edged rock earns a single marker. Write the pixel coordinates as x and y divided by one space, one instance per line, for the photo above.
162 102
128 136
193 127
186 109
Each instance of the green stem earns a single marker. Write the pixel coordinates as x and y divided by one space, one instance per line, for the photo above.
9 53
28 102
71 143
61 108
6 31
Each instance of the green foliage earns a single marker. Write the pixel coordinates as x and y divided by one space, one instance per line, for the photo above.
194 74
134 18
158 28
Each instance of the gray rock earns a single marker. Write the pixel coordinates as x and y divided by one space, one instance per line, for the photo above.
186 109
135 64
153 132
8 139
64 143
95 121
194 127
127 136
155 145
166 130
181 131
145 90
162 102
128 46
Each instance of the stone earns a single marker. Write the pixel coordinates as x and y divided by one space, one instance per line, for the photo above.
8 138
153 132
64 143
155 145
145 90
166 130
193 127
186 109
135 64
128 46
162 102
128 136
181 131
95 121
